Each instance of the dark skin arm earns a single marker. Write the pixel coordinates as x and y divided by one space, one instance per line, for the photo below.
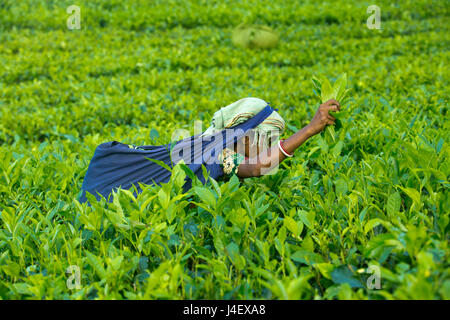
268 159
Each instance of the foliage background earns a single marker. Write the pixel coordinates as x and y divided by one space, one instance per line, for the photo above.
137 70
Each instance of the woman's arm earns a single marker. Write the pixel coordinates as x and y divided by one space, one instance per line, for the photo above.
270 158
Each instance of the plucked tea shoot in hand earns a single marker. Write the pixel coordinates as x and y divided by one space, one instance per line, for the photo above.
338 92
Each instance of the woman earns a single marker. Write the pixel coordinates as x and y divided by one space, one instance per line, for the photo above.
243 140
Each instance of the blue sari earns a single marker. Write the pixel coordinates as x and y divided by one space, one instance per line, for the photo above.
118 165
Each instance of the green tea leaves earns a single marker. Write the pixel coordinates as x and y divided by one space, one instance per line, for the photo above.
413 194
338 92
306 257
96 264
293 226
343 274
340 87
206 196
327 92
393 204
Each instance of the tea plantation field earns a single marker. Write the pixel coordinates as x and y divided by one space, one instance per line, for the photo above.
363 216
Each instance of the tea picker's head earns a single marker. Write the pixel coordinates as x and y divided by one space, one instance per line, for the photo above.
256 140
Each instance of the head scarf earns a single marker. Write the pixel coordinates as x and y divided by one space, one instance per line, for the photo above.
242 110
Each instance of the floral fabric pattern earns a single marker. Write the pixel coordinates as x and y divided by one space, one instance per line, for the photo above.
230 161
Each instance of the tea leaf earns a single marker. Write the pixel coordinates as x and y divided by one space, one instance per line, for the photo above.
342 274
96 264
206 195
339 87
291 225
306 257
393 204
327 92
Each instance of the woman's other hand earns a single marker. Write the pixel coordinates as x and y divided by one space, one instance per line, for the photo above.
322 118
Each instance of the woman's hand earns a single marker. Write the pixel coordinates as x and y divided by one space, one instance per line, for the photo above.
270 158
322 118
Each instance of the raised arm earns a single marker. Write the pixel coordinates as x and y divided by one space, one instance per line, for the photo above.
268 159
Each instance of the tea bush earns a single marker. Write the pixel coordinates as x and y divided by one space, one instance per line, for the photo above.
376 195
